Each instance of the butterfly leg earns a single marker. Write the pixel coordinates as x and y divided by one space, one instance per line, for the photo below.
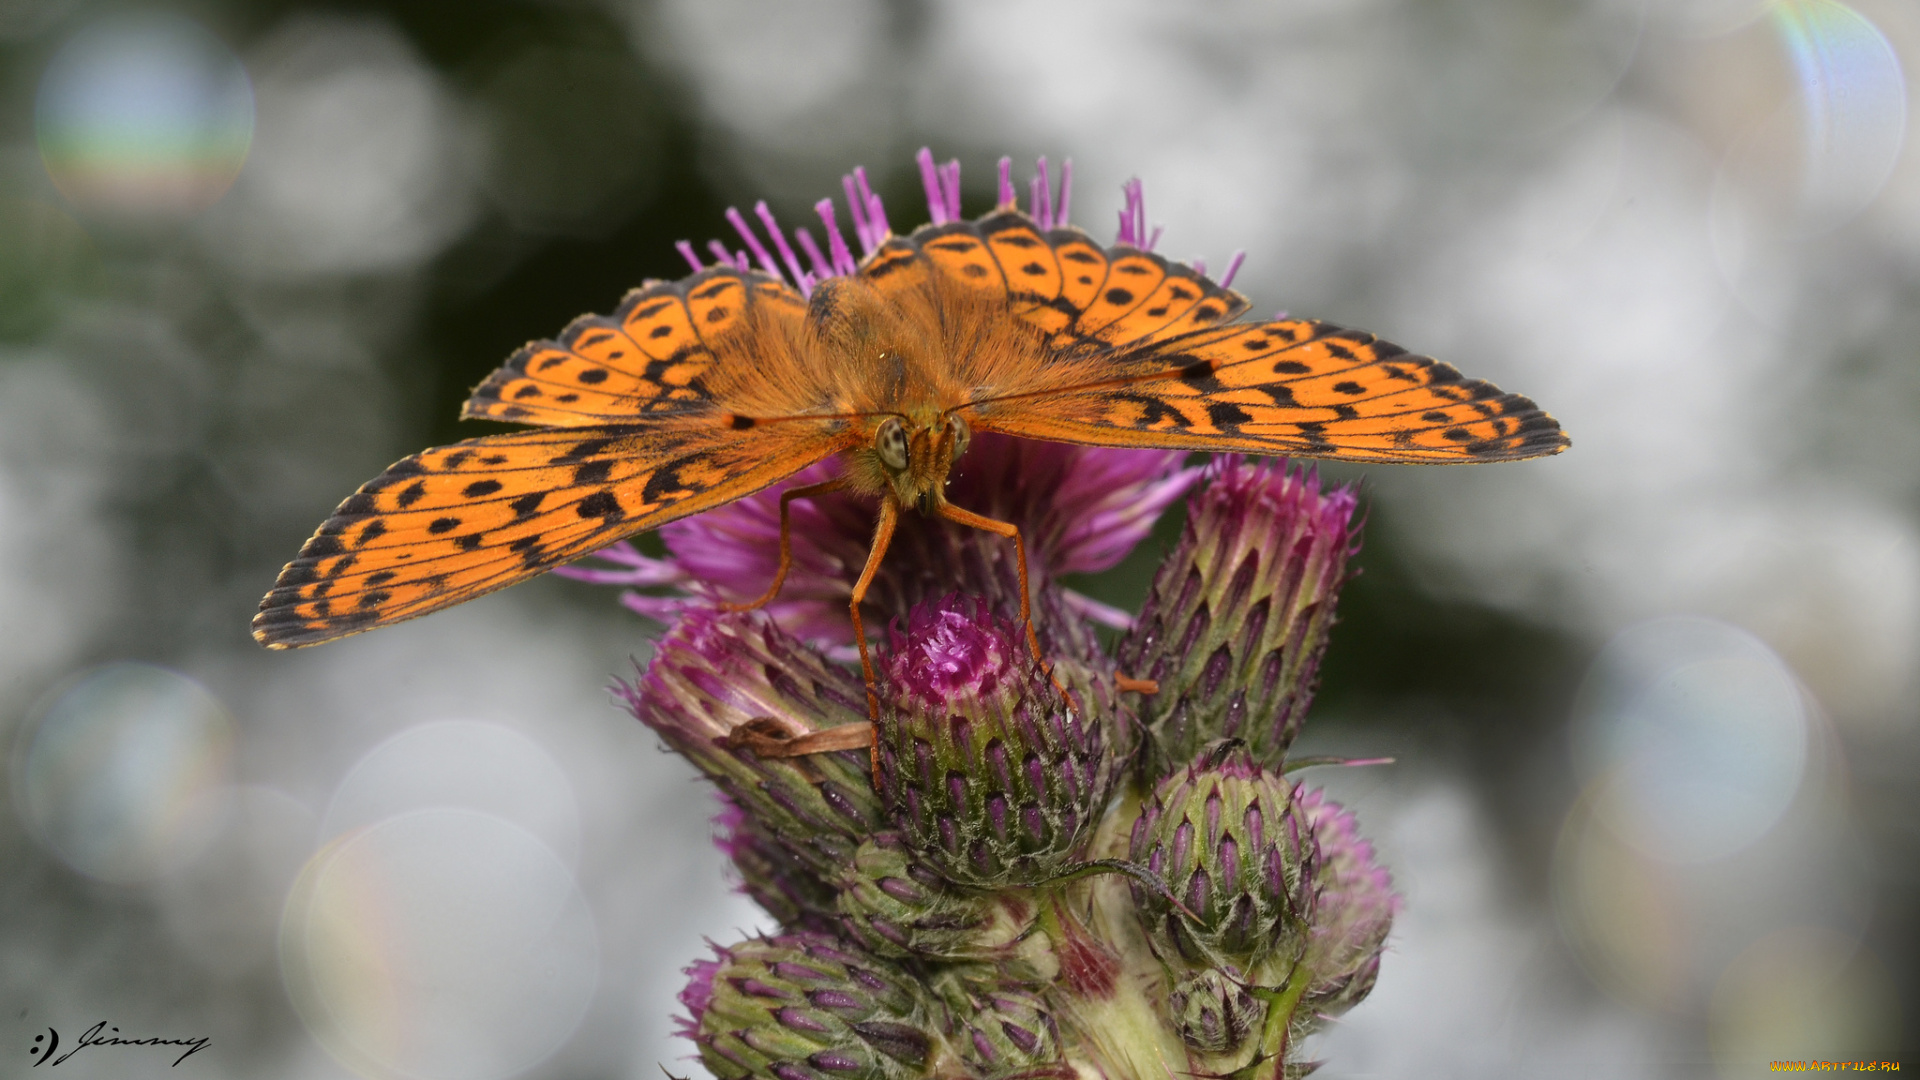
882 537
1012 532
767 739
786 543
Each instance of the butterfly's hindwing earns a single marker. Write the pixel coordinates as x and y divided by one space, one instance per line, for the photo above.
649 359
1070 287
957 251
1030 268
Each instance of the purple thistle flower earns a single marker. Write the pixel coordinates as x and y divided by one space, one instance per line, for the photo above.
1000 1030
895 905
1238 615
990 772
1355 912
930 925
782 876
697 996
799 820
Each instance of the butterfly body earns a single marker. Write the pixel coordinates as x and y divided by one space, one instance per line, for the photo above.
701 391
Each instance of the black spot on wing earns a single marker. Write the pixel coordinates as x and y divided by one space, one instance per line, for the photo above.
1200 376
411 494
600 504
1154 411
1227 416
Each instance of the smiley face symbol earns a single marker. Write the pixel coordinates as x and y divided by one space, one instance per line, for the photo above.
52 1039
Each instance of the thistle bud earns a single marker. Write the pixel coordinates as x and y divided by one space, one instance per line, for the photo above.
805 1007
778 878
1000 1030
715 673
991 774
1354 912
895 906
1228 841
1238 616
1213 1013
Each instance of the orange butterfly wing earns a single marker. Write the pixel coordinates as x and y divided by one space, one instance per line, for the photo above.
650 358
635 440
1145 356
1293 387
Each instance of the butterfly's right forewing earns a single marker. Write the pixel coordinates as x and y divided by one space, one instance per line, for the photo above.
1146 354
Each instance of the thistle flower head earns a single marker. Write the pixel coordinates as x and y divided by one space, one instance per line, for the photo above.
794 822
1229 842
989 771
807 1007
1238 614
934 923
1354 913
784 878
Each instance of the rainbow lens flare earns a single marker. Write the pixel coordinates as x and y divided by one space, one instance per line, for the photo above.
442 944
1853 102
124 773
144 117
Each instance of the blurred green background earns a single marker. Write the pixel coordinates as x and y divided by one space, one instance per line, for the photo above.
1652 701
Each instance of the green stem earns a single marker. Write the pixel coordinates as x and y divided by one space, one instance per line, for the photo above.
1103 996
1280 1006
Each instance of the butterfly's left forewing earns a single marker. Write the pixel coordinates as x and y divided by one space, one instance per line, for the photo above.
451 523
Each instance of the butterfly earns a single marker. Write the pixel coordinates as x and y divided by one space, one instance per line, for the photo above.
696 392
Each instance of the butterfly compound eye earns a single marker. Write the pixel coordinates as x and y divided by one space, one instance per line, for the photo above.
961 436
890 442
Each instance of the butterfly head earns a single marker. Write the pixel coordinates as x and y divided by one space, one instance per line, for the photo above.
909 458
